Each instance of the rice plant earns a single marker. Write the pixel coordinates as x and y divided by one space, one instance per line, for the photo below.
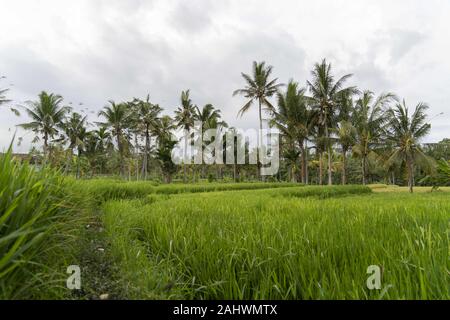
36 222
276 244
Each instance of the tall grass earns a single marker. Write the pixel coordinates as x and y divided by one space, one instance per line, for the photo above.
104 190
37 221
257 245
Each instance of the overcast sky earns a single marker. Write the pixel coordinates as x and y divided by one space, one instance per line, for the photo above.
92 51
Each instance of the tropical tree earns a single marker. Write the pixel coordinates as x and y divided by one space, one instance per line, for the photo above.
75 134
292 119
369 118
147 114
210 118
117 119
346 134
163 129
184 119
258 87
405 132
326 95
97 147
345 131
47 114
320 144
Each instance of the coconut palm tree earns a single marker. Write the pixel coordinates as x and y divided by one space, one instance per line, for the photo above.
147 114
210 118
405 132
97 147
326 94
292 119
346 134
258 87
184 119
75 134
163 129
117 118
47 114
369 118
345 131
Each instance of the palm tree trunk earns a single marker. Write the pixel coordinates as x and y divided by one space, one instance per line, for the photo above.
146 152
78 164
306 163
410 175
320 168
303 162
259 142
68 161
344 166
45 148
330 181
363 166
119 145
184 160
136 151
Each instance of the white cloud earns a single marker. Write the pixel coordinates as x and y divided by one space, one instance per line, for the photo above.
91 51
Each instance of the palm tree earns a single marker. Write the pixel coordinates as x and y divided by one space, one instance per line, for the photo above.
346 131
210 118
97 146
258 87
326 93
117 118
369 118
184 118
319 139
147 115
292 120
163 131
75 133
47 115
346 134
405 132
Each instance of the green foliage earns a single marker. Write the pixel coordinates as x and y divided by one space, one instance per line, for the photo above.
107 189
39 216
258 87
439 178
47 115
288 243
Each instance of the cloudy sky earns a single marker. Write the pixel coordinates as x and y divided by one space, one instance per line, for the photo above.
94 50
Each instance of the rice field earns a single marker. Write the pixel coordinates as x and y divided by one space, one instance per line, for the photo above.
218 240
286 243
